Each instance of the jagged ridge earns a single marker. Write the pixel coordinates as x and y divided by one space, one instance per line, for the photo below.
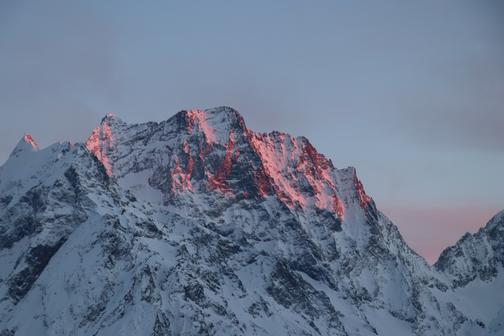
198 225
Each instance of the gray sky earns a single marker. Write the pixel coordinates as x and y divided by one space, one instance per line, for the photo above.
410 93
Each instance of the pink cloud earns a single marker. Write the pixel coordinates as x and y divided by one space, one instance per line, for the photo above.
430 230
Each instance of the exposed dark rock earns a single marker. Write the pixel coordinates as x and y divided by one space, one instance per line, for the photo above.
36 260
161 326
195 292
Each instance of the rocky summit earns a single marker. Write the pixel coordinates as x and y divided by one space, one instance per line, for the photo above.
198 225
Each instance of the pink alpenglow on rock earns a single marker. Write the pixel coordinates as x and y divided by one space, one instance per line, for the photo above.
181 177
100 141
29 140
198 118
292 162
364 199
212 147
218 181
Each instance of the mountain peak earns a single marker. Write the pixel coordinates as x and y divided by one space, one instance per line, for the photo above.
215 145
100 139
111 118
225 111
26 144
497 220
28 139
214 123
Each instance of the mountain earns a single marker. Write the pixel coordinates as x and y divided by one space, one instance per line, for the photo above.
474 267
199 226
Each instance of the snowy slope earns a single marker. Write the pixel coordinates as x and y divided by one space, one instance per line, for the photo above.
474 267
198 225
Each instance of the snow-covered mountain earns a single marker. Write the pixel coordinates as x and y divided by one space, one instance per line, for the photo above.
475 269
199 226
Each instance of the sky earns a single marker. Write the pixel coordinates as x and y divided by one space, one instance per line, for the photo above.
411 93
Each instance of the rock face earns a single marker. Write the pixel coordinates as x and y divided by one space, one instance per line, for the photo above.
474 268
199 226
